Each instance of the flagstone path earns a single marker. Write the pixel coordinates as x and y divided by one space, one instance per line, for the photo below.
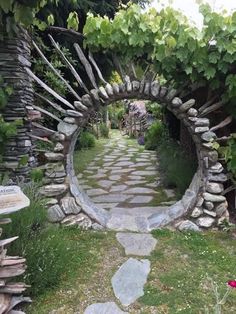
124 179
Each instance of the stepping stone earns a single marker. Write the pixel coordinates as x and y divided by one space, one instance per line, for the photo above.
118 188
152 185
107 205
135 177
95 192
151 168
110 198
105 183
121 221
145 173
142 164
135 182
142 160
124 164
104 308
129 280
80 175
114 171
139 190
137 243
141 199
98 176
115 177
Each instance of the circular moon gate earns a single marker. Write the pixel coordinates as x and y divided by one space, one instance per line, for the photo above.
202 206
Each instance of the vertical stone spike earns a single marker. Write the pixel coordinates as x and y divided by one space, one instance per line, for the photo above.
86 65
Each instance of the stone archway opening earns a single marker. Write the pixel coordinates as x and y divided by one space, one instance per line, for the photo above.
202 205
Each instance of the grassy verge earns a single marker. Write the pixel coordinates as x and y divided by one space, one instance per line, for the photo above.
183 267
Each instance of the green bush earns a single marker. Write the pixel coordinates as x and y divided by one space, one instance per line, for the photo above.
104 130
36 175
86 140
177 168
154 135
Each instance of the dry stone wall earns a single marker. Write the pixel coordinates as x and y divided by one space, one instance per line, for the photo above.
202 206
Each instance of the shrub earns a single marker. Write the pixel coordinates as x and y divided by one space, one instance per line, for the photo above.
177 168
36 175
154 135
86 140
104 130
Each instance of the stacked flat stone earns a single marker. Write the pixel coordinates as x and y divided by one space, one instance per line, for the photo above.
14 56
206 185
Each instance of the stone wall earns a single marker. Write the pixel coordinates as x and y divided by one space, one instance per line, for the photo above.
14 56
203 203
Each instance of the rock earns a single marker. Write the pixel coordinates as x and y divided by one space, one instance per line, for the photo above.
213 198
51 201
202 122
199 201
145 173
197 212
69 205
67 128
220 209
169 193
53 189
139 190
105 183
74 113
97 227
54 156
118 188
135 85
171 94
12 199
103 93
188 225
163 91
55 213
87 101
69 120
109 89
155 88
141 199
208 136
110 198
209 213
201 129
129 280
215 188
115 87
209 205
55 171
187 105
104 308
205 222
217 168
58 148
136 243
96 192
218 178
192 112
58 137
176 102
213 156
81 220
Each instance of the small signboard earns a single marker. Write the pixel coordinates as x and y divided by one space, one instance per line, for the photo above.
12 199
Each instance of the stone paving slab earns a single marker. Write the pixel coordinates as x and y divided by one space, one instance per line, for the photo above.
128 282
141 199
118 188
145 173
137 182
110 198
104 308
140 244
95 192
127 222
139 190
105 183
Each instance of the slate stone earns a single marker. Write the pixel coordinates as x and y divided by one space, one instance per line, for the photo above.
141 199
169 193
69 205
115 177
118 188
136 243
205 222
188 225
128 282
66 128
140 190
95 192
145 173
213 198
110 198
104 308
124 164
55 213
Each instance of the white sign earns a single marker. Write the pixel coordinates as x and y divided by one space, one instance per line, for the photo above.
12 199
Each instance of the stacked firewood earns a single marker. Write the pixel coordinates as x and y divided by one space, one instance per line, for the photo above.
10 267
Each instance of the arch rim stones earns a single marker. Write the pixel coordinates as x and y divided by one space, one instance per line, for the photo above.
203 206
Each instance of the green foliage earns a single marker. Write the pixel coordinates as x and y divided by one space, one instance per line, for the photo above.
36 175
154 135
229 154
116 113
73 21
154 109
104 130
177 168
86 140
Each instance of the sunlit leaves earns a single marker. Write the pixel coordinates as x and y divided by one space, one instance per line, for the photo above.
73 21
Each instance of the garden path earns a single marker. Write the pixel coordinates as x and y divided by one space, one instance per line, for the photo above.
124 179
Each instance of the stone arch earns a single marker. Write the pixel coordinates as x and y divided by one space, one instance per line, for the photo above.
202 204
204 190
